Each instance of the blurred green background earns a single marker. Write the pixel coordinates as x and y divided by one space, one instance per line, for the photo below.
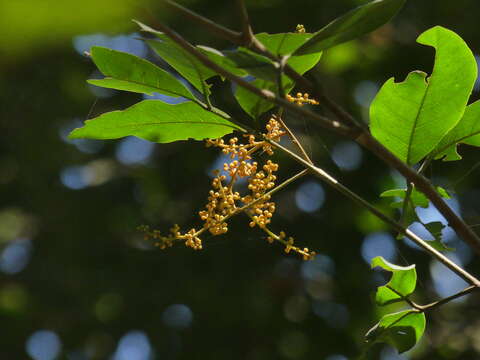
78 282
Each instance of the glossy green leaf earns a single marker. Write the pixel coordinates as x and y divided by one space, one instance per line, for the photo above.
279 44
467 131
410 118
156 121
353 24
402 330
401 284
128 72
183 62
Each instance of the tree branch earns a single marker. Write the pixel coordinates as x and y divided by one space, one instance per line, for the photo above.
435 304
265 94
360 135
214 28
397 226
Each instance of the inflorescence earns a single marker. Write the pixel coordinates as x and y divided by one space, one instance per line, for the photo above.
225 202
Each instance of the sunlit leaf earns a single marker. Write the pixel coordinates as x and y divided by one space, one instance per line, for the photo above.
401 284
187 65
467 131
410 118
157 121
130 73
402 330
353 24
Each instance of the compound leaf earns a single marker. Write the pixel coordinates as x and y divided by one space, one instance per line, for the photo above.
401 284
157 121
402 330
351 25
410 118
128 72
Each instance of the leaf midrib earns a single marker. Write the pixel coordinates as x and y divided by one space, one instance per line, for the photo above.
152 86
410 142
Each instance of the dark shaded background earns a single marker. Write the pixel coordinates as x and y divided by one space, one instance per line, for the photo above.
78 282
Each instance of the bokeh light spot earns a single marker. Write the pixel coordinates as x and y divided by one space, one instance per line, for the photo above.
378 244
177 316
15 257
446 282
365 92
43 345
133 346
347 155
132 151
310 196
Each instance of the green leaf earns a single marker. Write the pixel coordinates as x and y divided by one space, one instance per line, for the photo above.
402 330
401 284
130 73
353 24
284 43
253 104
256 65
182 61
278 44
220 59
467 131
417 198
410 118
435 228
156 121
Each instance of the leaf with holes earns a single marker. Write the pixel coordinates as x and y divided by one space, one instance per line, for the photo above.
410 118
156 121
402 330
353 24
128 72
401 284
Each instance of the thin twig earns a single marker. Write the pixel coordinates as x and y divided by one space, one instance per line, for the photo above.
255 45
425 186
211 26
281 93
443 301
261 198
247 33
397 226
359 133
265 94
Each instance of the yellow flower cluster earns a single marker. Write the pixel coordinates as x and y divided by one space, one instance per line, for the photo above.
221 203
224 202
300 29
302 99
